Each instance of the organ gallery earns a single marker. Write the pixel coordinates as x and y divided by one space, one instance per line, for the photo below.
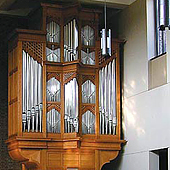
63 95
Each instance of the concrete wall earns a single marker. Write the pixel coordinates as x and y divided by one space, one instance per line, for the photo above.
146 115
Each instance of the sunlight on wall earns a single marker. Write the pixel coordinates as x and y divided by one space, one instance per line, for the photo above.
132 84
131 118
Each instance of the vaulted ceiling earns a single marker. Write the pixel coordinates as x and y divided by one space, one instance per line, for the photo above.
23 7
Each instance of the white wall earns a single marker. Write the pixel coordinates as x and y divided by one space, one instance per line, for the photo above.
146 113
133 29
137 161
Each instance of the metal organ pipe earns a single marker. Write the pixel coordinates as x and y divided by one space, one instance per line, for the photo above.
71 106
32 94
114 96
107 99
24 92
53 32
88 123
53 121
70 41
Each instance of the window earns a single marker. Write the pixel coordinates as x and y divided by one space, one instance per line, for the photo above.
162 21
158 159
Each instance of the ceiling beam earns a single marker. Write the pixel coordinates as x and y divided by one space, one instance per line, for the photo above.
101 3
110 3
19 12
5 4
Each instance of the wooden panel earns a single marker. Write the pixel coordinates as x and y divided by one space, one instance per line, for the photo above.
71 160
13 92
70 144
15 58
87 160
54 159
15 87
15 118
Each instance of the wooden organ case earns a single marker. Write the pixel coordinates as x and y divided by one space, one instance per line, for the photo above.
63 96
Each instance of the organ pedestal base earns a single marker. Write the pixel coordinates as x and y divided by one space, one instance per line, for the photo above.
61 154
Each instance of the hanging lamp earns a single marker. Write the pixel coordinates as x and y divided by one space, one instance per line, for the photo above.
106 37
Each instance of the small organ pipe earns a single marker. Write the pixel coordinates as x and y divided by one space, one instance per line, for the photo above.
33 118
24 121
71 40
28 120
40 110
37 117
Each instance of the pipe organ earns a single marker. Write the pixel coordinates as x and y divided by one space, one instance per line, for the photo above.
107 99
64 97
70 41
71 106
32 94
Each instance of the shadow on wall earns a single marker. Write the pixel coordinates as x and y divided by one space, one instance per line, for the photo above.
8 24
114 164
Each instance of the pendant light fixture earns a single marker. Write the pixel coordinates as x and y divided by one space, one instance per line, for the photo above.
105 37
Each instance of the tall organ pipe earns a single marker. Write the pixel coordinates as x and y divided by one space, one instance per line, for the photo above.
71 106
32 94
107 99
70 41
24 85
114 96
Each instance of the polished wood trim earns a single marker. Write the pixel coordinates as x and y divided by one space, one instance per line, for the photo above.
62 104
19 117
97 124
44 102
